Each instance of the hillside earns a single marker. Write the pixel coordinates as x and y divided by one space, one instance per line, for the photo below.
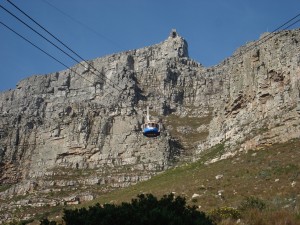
267 173
270 173
68 139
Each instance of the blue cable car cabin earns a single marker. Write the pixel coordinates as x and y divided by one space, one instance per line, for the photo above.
151 129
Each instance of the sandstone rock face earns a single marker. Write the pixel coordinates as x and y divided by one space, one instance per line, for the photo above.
259 102
86 121
89 117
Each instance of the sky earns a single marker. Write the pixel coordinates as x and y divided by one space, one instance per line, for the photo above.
214 29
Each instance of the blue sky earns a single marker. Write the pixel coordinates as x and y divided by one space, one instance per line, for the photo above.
214 29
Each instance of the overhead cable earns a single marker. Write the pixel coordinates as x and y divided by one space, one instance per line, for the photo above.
269 36
24 38
82 24
112 84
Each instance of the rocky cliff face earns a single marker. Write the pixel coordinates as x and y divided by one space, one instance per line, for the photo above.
82 127
259 102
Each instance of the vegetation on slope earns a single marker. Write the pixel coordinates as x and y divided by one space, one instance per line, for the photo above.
268 174
185 130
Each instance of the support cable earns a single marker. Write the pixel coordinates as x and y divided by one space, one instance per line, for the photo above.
38 33
27 40
269 36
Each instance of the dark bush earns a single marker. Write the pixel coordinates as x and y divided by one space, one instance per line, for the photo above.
144 210
47 222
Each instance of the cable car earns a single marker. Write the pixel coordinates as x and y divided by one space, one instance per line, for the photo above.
150 128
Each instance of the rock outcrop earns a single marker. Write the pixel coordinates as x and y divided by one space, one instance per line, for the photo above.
89 116
82 127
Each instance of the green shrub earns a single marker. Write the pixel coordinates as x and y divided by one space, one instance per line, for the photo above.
219 214
252 203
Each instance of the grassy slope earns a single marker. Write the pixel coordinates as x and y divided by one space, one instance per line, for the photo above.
271 173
